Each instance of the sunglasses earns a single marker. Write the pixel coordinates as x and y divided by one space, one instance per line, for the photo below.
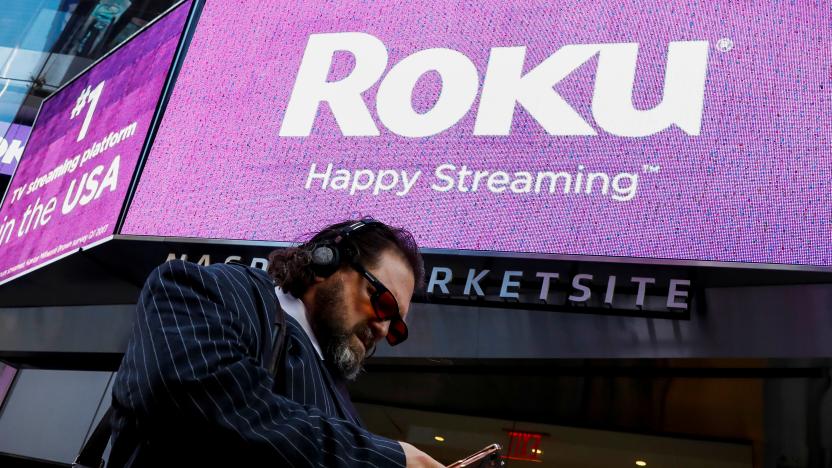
385 306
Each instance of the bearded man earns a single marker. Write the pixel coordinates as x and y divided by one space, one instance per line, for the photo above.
204 381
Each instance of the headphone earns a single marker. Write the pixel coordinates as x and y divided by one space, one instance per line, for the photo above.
330 253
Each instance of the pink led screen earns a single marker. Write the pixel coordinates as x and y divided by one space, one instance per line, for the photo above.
70 184
690 131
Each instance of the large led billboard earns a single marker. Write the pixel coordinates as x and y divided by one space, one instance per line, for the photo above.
69 187
696 131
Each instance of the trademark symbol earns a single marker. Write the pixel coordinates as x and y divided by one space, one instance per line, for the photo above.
651 168
724 44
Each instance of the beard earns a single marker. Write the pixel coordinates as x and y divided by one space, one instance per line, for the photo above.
339 343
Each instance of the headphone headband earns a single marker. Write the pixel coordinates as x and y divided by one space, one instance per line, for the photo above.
328 253
348 230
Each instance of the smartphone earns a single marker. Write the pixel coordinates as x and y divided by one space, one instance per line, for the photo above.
489 456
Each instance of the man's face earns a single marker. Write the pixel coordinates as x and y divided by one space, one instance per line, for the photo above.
342 316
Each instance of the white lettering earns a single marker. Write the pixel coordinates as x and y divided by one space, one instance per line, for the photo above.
380 181
460 83
111 177
368 177
642 288
439 173
10 152
544 289
384 180
343 96
408 183
675 293
259 262
608 297
324 176
509 283
504 86
447 275
684 90
474 281
585 292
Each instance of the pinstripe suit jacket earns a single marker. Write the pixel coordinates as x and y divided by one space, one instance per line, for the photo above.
193 388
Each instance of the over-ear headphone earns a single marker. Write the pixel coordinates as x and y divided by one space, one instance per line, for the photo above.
329 254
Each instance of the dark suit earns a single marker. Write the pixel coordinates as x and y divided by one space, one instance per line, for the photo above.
193 384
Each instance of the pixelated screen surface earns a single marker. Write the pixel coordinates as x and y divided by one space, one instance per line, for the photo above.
696 131
70 185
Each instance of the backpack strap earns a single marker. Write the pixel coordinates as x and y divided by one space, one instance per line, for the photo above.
278 355
278 348
93 449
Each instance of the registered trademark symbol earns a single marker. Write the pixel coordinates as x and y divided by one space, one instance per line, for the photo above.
724 44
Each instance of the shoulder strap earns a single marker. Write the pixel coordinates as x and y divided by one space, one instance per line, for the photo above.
279 348
278 338
93 449
279 334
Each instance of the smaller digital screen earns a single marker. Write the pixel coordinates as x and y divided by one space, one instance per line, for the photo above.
71 181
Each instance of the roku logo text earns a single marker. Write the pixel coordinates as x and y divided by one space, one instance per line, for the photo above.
504 86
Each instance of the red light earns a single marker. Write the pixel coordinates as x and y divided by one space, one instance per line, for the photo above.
523 446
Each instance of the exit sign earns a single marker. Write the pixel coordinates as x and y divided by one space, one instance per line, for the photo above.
524 446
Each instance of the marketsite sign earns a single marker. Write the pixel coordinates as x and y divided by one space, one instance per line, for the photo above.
69 187
522 284
684 133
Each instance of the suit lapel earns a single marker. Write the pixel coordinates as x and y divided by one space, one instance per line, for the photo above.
341 396
323 381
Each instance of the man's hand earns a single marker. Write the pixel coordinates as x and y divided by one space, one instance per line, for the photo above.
417 458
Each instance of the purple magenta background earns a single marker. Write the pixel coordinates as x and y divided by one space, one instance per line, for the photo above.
753 187
7 374
134 78
11 132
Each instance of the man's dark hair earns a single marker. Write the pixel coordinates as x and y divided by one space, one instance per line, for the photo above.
291 268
